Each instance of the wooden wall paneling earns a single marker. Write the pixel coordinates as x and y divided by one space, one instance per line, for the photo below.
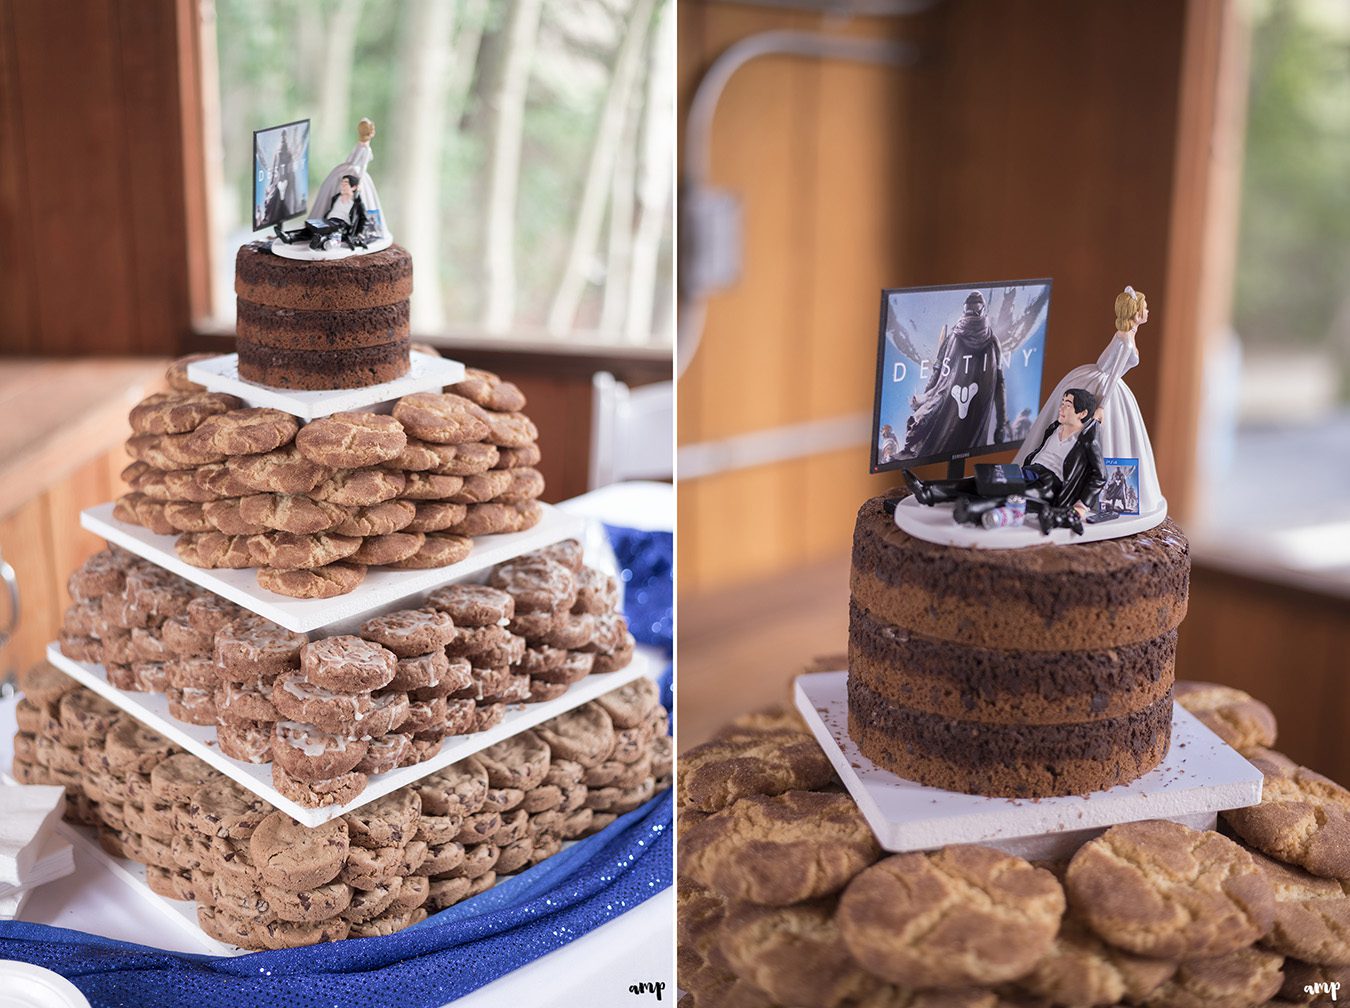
159 232
73 140
25 541
18 280
90 484
1203 242
1285 647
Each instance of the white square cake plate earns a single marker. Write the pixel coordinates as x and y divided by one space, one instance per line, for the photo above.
1200 776
383 589
425 374
152 710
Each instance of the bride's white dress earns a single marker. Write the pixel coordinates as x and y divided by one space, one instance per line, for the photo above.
1122 433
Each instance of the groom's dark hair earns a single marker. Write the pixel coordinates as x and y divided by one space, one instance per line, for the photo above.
1083 400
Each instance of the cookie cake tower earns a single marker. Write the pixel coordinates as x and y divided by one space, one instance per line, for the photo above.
339 667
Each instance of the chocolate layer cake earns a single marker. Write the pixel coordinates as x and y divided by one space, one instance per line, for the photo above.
325 324
1022 673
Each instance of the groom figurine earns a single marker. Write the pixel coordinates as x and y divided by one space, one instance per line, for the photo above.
1064 472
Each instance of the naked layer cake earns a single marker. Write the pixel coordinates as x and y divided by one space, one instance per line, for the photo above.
328 324
1017 673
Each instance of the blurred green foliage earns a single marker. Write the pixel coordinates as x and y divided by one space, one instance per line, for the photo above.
272 54
1293 272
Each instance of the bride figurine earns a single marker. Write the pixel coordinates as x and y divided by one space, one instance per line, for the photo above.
332 194
1120 427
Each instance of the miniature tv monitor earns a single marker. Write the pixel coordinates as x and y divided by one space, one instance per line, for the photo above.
280 173
958 370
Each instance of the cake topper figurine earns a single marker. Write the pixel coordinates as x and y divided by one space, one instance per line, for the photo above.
346 217
1090 427
1122 432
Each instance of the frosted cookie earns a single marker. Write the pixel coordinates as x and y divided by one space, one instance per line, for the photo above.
295 698
439 549
347 664
100 575
327 581
185 640
473 605
1303 818
441 418
425 715
282 471
253 645
596 592
1242 721
295 858
351 440
385 753
1164 890
320 793
208 613
424 670
390 712
568 552
249 741
411 632
537 585
192 704
572 632
241 700
309 754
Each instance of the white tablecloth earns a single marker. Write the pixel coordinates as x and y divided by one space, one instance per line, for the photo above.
596 970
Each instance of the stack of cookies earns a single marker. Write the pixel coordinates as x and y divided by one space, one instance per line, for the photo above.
785 899
313 506
263 881
328 713
567 614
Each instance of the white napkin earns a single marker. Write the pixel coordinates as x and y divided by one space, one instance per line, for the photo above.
55 859
28 813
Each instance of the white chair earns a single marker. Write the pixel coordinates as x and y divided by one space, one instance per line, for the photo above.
632 431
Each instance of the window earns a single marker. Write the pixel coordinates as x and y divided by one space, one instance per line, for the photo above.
522 154
1281 460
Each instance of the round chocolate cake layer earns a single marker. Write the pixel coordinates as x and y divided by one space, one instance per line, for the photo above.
294 329
1003 687
359 281
315 370
1083 596
1014 760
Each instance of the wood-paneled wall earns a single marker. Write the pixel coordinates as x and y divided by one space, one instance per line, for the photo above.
1033 138
99 192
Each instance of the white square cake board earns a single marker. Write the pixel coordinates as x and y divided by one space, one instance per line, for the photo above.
1200 776
425 374
152 710
382 591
